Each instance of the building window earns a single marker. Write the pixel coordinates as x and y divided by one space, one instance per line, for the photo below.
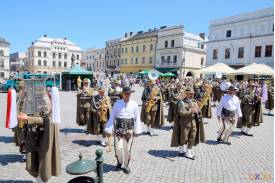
168 59
162 60
151 47
132 60
241 52
45 54
143 60
151 60
45 63
126 50
53 63
136 60
202 61
166 44
39 62
39 53
175 59
59 55
258 51
122 50
1 52
172 43
227 53
59 64
137 48
53 54
77 57
2 64
228 33
45 72
132 49
215 54
268 51
2 74
65 56
144 48
65 64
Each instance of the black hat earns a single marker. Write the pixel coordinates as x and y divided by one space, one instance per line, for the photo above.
126 89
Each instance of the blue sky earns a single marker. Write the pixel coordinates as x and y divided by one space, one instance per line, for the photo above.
90 23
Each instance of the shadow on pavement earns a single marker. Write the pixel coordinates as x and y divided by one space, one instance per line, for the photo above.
6 139
16 181
108 168
266 114
85 143
211 142
166 154
236 134
166 128
10 158
71 130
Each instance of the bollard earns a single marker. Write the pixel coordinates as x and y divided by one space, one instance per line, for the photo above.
99 163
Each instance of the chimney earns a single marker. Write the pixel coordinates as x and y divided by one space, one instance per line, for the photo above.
149 30
125 35
202 35
32 43
45 35
131 33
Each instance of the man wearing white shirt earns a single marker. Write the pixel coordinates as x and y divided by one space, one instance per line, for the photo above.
228 109
125 121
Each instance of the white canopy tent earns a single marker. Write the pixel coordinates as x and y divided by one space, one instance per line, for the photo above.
218 68
254 69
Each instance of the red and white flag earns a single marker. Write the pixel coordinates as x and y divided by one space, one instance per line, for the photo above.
11 117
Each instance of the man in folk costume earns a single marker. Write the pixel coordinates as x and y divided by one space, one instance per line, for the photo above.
152 107
203 96
248 102
84 103
41 135
229 108
125 121
186 124
269 104
101 110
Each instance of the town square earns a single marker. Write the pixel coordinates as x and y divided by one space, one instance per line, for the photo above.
170 99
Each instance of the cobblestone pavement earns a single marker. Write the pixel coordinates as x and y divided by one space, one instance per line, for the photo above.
153 160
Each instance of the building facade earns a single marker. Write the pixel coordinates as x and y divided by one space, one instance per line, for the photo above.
4 59
112 56
138 52
243 39
19 62
53 55
94 60
180 52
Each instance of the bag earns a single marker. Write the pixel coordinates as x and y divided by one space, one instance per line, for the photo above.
227 113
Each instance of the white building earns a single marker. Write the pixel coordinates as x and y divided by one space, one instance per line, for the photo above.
243 39
94 59
53 55
4 59
19 62
180 51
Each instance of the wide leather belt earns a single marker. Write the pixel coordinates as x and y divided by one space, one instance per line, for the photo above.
125 123
227 113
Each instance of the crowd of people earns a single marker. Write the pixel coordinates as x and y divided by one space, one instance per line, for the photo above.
105 109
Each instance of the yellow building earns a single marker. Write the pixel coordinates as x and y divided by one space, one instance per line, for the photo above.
138 52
